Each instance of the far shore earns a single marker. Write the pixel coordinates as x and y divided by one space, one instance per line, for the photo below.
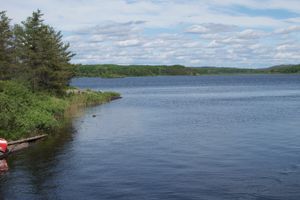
121 71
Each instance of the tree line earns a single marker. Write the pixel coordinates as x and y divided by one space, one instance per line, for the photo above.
34 53
115 71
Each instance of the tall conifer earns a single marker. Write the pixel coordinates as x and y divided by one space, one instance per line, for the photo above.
42 54
6 47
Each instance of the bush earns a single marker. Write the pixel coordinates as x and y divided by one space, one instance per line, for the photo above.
23 113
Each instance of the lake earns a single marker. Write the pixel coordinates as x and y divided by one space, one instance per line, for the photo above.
183 137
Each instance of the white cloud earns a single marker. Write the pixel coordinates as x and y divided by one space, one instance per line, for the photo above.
97 38
206 32
287 55
73 38
252 34
290 29
214 44
211 28
197 29
128 43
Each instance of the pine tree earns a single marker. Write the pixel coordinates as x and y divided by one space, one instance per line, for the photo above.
6 46
43 55
57 57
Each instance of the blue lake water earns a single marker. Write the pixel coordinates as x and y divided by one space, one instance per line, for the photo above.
205 137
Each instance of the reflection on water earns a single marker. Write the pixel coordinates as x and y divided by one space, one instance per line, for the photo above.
210 137
3 166
34 167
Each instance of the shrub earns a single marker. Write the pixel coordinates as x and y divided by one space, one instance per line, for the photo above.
23 112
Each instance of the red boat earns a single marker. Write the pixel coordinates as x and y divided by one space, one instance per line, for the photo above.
3 149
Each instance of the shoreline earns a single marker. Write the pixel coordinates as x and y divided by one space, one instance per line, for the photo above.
116 71
222 74
45 113
70 112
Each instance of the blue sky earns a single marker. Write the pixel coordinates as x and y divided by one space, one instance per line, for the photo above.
224 33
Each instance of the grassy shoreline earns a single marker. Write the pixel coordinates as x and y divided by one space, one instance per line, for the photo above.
25 114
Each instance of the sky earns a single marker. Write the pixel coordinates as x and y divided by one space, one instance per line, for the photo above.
223 33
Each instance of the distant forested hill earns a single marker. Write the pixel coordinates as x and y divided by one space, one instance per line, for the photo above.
284 69
114 71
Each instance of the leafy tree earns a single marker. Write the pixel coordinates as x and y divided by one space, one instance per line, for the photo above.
43 55
6 46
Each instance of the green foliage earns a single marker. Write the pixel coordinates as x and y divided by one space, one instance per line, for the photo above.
24 112
34 54
33 51
90 98
41 57
112 71
6 47
288 69
116 71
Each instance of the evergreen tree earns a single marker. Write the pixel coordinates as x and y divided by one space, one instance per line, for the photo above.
58 70
43 55
6 46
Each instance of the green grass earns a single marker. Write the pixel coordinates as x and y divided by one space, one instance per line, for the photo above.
91 98
24 113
